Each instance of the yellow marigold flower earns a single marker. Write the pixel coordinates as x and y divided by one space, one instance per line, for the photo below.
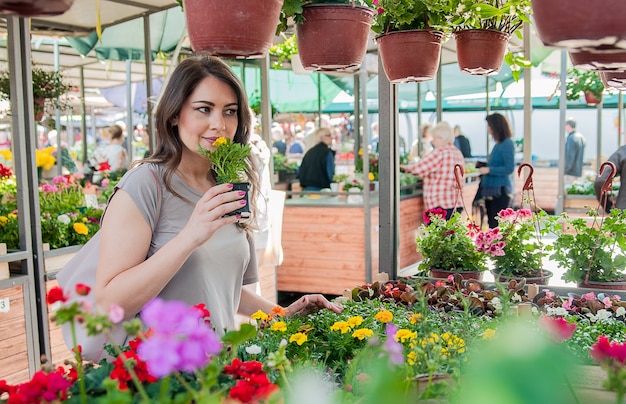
404 335
371 176
259 314
299 338
80 228
3 220
278 311
279 326
363 333
219 141
355 321
342 326
411 358
361 151
415 318
12 216
384 316
84 220
489 333
6 154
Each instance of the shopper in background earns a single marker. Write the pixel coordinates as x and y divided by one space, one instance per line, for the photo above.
437 171
495 191
619 159
461 142
318 164
574 152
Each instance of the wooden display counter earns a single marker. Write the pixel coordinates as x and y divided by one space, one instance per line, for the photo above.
324 244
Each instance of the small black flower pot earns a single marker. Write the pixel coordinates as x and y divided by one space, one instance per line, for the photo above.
244 211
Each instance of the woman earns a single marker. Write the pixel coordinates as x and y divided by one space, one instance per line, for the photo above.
496 188
183 246
114 153
437 170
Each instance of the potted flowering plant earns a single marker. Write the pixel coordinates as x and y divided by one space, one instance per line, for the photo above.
482 30
591 249
522 252
405 30
322 25
229 163
449 245
46 85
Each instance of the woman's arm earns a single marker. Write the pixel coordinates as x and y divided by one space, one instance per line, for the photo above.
250 302
124 276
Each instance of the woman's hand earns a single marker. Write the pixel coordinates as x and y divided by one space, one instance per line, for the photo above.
483 170
310 304
209 213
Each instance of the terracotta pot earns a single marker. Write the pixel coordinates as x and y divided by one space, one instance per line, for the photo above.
242 28
32 8
575 24
602 285
538 280
598 61
481 52
39 104
591 98
467 275
410 56
333 37
615 80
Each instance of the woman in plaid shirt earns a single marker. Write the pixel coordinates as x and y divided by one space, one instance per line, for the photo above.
437 171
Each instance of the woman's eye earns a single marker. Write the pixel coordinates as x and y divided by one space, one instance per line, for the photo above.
231 112
204 109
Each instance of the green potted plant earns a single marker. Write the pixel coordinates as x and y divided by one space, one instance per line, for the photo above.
47 85
482 30
585 82
408 45
448 246
229 163
331 34
591 249
522 253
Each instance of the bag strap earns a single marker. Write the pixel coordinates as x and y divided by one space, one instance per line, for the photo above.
159 196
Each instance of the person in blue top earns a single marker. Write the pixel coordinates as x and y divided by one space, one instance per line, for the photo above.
318 165
496 189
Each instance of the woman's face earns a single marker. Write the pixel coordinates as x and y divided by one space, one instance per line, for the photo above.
210 112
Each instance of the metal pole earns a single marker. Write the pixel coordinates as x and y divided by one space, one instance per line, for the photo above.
562 118
148 61
57 110
599 138
389 194
83 114
620 121
24 163
487 111
527 98
129 106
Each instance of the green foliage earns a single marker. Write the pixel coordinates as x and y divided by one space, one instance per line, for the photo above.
284 50
228 160
46 84
281 163
447 244
402 15
582 81
499 15
585 247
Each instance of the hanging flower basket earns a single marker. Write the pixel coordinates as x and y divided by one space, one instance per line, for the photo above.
238 29
577 24
333 37
33 8
480 51
410 56
598 61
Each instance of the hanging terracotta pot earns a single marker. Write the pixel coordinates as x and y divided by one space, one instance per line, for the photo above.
615 80
32 8
333 37
481 52
592 99
587 60
242 28
410 56
39 104
577 24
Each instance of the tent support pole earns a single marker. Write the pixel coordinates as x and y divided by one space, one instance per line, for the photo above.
562 134
129 107
83 114
148 61
527 98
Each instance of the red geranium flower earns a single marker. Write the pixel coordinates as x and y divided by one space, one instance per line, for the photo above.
82 289
56 295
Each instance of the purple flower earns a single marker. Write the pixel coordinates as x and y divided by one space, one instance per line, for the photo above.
393 347
181 341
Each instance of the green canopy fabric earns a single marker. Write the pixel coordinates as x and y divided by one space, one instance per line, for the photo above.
126 41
